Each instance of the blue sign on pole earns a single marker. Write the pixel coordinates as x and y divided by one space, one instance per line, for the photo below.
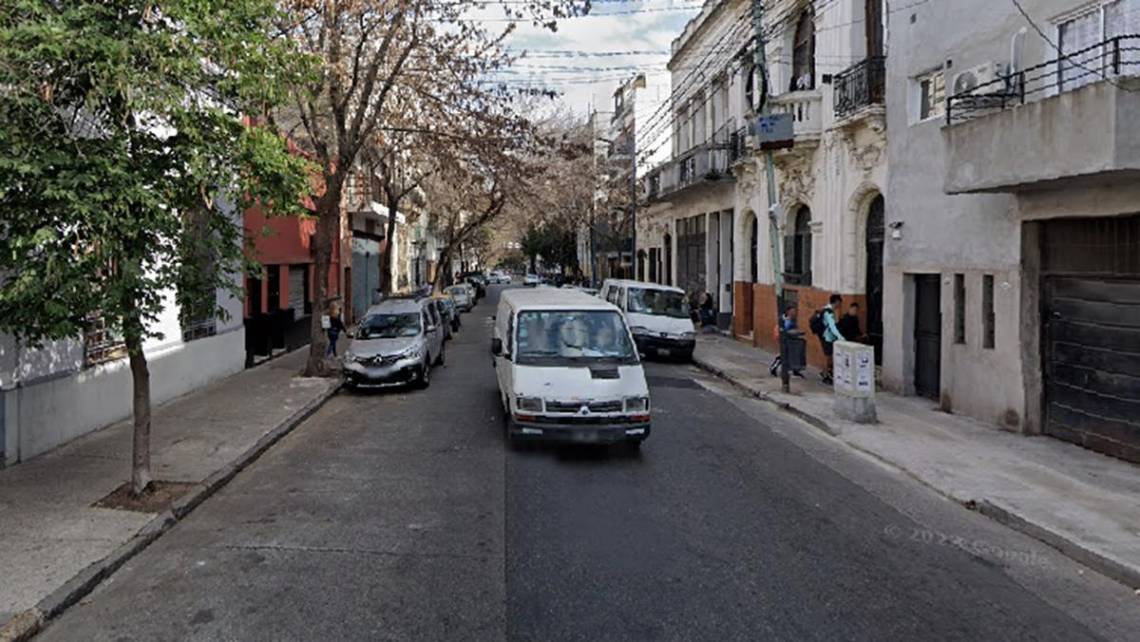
774 131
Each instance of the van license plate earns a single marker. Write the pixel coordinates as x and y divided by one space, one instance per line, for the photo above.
664 352
585 436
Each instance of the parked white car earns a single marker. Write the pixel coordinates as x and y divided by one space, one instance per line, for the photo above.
531 280
658 316
568 369
463 294
498 277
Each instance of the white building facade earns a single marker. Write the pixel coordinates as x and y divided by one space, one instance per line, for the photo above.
65 389
1013 268
709 207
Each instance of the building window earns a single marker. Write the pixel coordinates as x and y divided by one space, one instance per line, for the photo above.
931 95
797 249
1079 35
873 19
750 97
988 312
101 342
803 54
960 308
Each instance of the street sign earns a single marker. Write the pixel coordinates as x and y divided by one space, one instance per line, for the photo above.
774 131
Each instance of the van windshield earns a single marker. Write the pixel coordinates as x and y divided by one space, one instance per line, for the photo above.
572 336
389 326
657 302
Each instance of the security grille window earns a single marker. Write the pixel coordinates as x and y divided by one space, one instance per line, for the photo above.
988 312
797 249
960 308
931 95
803 54
101 343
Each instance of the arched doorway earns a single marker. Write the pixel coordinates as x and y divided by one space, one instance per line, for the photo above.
876 235
754 250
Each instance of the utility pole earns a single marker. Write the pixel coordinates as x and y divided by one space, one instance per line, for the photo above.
760 59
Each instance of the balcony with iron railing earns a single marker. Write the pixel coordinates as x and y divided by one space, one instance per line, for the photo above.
1064 121
860 89
807 114
704 164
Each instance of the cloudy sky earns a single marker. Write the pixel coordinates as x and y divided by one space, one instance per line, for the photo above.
589 56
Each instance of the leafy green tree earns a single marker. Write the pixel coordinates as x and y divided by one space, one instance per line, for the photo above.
130 148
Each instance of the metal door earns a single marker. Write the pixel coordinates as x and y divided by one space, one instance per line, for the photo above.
874 283
927 334
1092 363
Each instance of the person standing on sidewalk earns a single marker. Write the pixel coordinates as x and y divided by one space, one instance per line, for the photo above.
336 327
823 324
849 324
787 326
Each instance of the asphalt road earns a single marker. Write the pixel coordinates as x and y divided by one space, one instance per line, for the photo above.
402 515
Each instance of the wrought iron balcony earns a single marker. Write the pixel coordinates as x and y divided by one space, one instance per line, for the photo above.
705 163
860 85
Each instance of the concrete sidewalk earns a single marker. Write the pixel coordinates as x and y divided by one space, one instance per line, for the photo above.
1085 504
53 543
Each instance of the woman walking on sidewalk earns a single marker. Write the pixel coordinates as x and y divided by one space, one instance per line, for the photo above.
336 326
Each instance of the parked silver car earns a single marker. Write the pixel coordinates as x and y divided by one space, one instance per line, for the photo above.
396 343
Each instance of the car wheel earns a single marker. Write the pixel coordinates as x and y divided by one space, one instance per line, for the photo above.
425 375
633 446
439 358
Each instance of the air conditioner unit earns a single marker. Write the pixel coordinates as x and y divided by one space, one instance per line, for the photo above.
979 80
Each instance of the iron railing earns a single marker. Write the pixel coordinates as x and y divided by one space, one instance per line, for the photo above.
860 85
1109 59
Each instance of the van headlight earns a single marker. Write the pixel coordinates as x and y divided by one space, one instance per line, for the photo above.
529 404
637 404
687 335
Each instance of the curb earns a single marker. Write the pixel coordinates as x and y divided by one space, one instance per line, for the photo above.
1122 572
27 623
763 396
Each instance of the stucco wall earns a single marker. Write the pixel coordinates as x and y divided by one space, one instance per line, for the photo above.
945 234
54 411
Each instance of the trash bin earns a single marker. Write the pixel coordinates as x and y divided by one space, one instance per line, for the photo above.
795 350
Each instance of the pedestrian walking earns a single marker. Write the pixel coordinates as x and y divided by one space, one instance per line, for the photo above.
823 325
336 327
706 312
787 325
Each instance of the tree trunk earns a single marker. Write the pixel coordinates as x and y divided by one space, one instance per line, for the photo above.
326 240
387 267
140 450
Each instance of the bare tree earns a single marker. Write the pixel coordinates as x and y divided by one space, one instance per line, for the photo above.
380 57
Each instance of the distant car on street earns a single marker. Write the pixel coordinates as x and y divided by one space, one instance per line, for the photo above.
464 295
478 281
531 280
396 343
499 278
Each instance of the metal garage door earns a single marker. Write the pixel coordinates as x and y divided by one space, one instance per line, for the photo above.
1092 334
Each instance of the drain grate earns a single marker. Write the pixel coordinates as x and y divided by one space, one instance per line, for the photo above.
672 382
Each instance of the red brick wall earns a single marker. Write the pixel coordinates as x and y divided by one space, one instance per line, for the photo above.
810 299
742 308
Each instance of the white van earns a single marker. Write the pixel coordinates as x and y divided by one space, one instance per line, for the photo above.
658 316
568 369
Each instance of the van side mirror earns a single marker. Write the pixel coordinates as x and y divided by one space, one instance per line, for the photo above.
497 347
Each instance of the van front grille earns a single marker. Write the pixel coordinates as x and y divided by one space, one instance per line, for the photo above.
576 406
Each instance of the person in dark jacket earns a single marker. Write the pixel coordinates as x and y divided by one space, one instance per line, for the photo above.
706 311
336 327
849 324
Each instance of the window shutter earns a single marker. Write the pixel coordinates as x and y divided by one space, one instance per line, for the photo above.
790 253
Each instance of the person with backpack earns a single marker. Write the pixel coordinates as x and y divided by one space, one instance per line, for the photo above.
822 324
787 326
